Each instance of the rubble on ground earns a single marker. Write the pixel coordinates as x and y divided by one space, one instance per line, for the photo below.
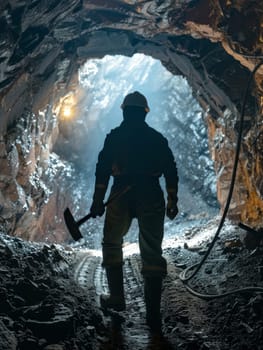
43 307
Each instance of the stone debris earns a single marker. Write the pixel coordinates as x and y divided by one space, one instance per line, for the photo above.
8 338
40 304
48 300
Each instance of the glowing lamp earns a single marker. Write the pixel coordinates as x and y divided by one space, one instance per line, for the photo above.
67 112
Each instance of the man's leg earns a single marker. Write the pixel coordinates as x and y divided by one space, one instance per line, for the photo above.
117 223
151 223
152 297
115 300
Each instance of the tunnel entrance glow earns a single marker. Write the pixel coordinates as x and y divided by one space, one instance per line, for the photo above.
106 81
103 84
173 111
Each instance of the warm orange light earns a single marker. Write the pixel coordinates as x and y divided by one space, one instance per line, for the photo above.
67 107
67 112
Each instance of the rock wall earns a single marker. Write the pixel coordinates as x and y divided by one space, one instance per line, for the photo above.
214 44
29 172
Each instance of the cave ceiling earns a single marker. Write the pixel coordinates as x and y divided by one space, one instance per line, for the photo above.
214 44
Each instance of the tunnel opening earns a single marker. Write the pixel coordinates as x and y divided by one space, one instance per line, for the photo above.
60 143
93 109
42 305
218 111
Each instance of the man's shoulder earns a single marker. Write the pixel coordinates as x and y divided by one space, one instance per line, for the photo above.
114 131
155 133
114 135
146 130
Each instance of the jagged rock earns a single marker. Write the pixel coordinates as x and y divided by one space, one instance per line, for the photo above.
256 304
30 343
54 347
8 338
40 303
213 44
29 290
56 328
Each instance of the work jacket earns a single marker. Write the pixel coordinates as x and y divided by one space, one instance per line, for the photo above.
136 152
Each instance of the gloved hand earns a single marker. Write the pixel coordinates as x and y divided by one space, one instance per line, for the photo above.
97 207
171 208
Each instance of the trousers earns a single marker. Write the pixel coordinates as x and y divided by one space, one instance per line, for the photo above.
145 202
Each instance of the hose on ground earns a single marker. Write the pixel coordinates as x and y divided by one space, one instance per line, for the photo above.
183 275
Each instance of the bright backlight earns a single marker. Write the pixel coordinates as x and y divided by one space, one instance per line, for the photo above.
67 112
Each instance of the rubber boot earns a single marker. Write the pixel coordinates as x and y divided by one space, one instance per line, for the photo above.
152 295
115 300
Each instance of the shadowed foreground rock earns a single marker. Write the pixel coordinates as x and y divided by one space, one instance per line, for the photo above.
40 303
48 297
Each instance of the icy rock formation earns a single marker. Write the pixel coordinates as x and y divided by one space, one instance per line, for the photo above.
214 44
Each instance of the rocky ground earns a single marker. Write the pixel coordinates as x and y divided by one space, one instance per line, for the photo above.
49 296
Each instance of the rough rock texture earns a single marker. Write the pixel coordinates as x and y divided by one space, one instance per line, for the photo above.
41 305
214 44
29 172
50 296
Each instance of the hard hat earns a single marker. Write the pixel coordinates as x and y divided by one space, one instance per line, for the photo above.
135 99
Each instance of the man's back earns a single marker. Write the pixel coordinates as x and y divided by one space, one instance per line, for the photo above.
136 150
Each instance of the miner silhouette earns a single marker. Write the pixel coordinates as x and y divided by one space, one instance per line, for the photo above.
136 155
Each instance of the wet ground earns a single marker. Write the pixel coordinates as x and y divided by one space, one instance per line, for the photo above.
49 296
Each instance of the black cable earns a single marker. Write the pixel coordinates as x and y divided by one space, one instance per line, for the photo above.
206 296
183 274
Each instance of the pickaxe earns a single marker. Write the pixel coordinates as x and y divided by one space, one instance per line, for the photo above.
73 225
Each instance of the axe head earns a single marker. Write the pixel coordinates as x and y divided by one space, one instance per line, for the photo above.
72 225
